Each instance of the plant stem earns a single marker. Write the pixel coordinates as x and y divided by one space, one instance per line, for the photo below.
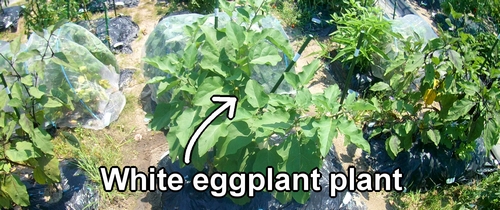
108 39
351 69
289 67
255 16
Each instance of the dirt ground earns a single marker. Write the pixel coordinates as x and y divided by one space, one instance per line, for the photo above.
148 147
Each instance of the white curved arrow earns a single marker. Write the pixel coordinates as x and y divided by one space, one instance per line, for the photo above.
229 102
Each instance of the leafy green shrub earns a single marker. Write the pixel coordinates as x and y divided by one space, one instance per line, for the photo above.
480 8
269 129
438 91
378 33
25 142
42 14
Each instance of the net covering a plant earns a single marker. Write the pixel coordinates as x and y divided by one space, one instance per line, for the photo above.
169 37
82 71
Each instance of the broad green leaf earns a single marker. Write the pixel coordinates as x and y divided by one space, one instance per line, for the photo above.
353 134
308 72
380 86
167 85
415 61
456 59
5 202
163 115
26 124
210 86
255 93
303 98
434 136
234 33
327 130
190 55
35 92
460 108
9 129
41 140
210 136
273 120
27 79
71 139
52 103
47 170
265 158
238 137
4 98
187 121
279 40
362 105
24 56
22 152
15 45
167 63
210 36
264 53
12 186
156 79
174 147
16 91
392 146
292 79
15 102
491 134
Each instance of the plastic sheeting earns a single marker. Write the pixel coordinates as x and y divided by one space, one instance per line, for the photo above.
10 17
77 191
168 37
91 78
426 166
122 32
189 198
98 5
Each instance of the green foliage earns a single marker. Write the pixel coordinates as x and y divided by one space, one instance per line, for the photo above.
42 14
269 129
23 139
438 91
486 9
481 195
350 23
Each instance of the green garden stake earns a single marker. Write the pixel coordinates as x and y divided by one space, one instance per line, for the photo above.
107 24
295 58
114 7
351 69
395 6
216 14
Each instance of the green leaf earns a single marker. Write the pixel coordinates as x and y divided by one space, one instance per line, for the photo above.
165 63
265 158
187 122
491 135
456 59
234 33
35 92
210 86
26 124
22 152
16 91
27 79
256 95
71 139
163 115
273 120
41 140
47 170
415 61
292 79
15 102
279 40
52 103
362 105
210 137
12 186
190 55
460 108
327 130
353 134
9 129
434 136
15 45
392 146
156 79
308 72
264 53
303 98
24 56
4 98
238 137
380 86
167 85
